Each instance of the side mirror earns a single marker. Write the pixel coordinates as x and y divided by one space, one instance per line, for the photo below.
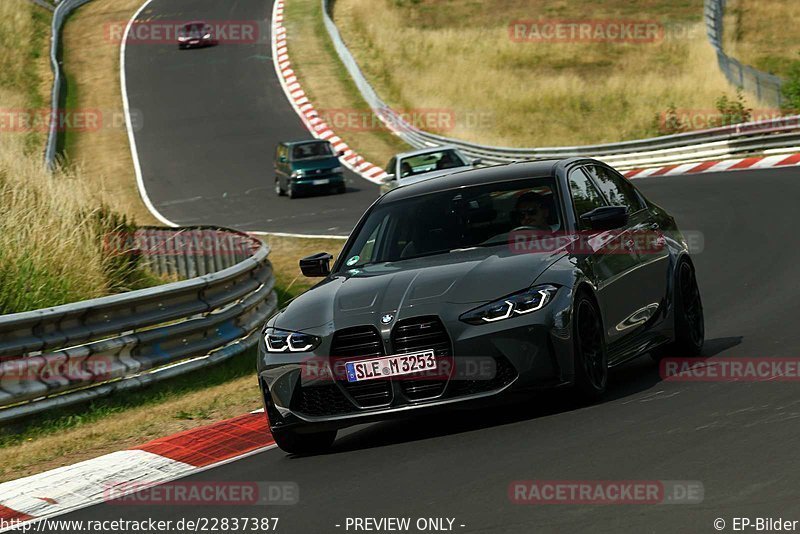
340 154
316 265
282 159
389 178
477 161
606 217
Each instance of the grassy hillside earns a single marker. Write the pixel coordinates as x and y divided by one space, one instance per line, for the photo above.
764 34
459 56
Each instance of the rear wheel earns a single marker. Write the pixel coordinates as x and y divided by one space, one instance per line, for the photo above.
591 358
689 323
298 443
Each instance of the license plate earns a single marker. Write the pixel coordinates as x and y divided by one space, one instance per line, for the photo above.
389 366
320 182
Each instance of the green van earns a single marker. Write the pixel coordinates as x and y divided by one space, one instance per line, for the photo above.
307 166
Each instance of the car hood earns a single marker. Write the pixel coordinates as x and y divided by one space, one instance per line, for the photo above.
360 296
315 164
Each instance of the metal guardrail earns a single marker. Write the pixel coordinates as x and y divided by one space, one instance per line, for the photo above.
777 136
60 14
767 87
67 354
42 3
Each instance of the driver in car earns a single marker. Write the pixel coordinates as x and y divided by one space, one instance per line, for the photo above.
532 212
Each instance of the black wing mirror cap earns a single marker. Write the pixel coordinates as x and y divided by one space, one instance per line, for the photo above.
606 217
316 265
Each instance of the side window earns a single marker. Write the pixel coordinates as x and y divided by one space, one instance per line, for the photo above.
585 195
615 188
390 167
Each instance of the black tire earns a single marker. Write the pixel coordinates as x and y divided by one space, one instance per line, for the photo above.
278 190
298 443
689 321
591 356
341 190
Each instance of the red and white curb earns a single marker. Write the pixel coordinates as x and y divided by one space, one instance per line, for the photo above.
86 483
305 109
758 162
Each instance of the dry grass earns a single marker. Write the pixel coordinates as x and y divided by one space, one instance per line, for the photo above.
25 77
763 34
327 83
458 56
50 250
91 63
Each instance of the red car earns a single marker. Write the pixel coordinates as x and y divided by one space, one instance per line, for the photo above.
196 34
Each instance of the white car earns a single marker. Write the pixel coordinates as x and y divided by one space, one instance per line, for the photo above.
411 167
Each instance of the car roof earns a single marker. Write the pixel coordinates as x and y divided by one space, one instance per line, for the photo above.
303 142
496 173
425 151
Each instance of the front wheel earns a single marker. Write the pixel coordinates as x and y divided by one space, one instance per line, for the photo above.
591 358
295 442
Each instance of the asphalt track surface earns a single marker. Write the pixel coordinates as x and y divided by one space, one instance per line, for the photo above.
739 439
210 121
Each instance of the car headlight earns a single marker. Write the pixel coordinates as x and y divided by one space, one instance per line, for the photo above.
527 301
277 340
298 174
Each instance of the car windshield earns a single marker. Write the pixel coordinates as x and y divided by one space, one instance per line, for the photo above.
453 220
429 162
312 151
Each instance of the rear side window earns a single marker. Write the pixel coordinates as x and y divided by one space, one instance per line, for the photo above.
585 195
615 188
